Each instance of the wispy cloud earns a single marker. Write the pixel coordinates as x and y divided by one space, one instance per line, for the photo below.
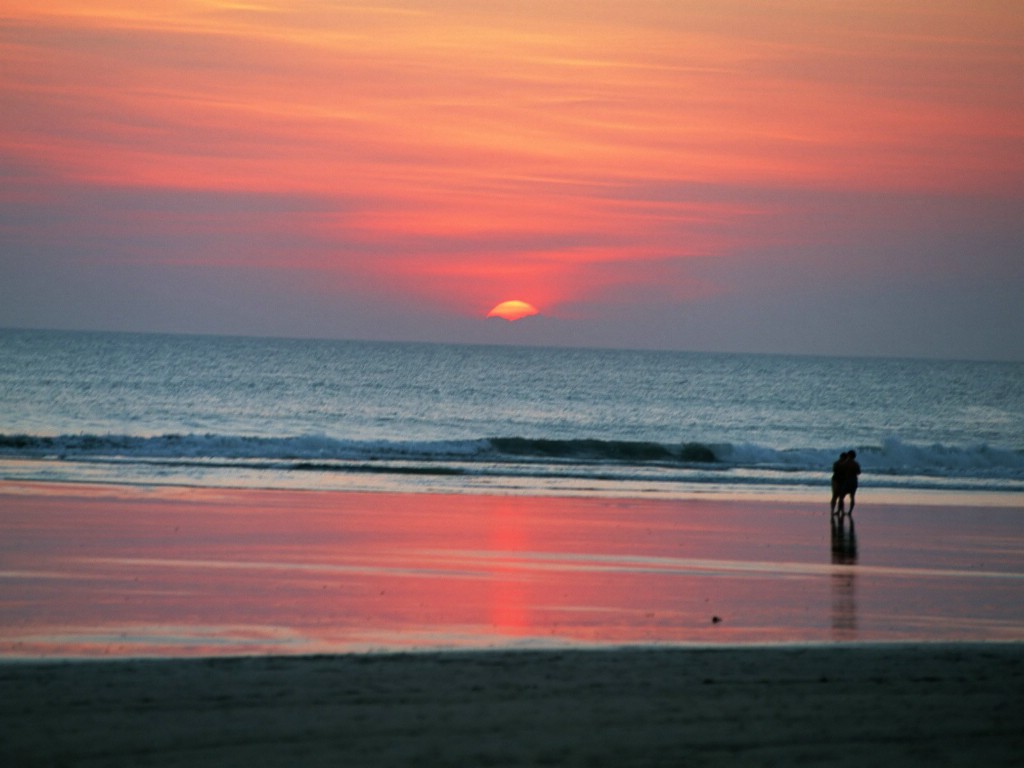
460 151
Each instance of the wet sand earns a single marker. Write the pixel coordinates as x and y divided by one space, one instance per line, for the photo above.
780 638
93 571
902 705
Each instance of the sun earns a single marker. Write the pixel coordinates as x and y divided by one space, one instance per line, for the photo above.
513 310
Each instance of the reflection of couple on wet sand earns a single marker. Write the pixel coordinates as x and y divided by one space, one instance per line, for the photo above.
844 540
844 482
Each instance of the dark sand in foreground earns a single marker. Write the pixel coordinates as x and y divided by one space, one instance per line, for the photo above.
901 705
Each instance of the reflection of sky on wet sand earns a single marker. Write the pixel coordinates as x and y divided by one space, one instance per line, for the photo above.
220 572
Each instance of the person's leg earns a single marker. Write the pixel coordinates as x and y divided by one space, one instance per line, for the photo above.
853 497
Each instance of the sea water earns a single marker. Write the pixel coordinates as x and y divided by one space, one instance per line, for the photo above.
287 413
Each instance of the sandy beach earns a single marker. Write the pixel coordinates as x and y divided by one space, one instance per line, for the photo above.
902 705
100 571
184 626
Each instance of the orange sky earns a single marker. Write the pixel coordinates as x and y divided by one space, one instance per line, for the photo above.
449 155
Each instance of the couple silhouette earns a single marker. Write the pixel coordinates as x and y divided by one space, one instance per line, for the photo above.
844 483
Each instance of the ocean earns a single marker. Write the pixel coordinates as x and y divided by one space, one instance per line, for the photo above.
351 415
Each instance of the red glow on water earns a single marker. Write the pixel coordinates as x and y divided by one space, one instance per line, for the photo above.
210 572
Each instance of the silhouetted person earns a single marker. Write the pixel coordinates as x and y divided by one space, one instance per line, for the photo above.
850 473
837 482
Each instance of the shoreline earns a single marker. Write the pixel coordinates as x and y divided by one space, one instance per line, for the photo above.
682 493
909 705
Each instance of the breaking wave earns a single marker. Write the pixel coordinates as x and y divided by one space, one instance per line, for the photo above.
892 463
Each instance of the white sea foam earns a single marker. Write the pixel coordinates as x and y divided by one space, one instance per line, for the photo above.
894 464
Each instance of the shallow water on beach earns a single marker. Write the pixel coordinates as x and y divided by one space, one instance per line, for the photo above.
167 572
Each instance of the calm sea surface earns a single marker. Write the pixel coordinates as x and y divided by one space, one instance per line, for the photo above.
214 411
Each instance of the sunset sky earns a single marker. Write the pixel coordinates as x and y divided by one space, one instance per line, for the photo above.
799 176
